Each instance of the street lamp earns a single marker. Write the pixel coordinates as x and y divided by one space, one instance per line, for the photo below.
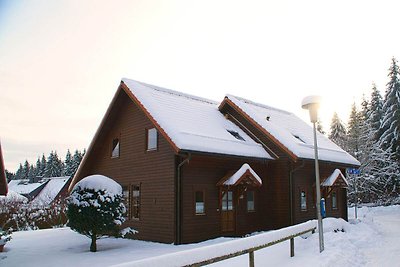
312 104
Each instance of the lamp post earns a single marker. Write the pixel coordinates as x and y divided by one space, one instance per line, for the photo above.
312 104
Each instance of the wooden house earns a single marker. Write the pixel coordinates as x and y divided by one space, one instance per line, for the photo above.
193 169
3 178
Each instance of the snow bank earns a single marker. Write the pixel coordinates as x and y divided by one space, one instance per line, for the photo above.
99 182
204 253
13 197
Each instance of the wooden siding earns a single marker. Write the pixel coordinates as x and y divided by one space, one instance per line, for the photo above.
304 180
3 180
153 170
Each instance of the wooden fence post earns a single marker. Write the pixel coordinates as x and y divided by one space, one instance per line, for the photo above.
251 259
291 247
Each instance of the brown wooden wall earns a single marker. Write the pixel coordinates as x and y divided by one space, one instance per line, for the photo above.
304 179
3 180
154 170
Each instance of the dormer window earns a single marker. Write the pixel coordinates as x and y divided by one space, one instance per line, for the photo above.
298 138
236 135
115 148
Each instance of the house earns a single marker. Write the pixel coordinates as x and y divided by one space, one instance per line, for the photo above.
193 169
3 179
55 189
44 192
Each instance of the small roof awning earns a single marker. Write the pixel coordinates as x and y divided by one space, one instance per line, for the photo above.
336 179
245 176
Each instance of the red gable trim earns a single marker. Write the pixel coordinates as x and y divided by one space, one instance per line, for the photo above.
227 101
3 180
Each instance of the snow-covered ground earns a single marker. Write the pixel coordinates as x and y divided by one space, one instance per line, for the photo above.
374 240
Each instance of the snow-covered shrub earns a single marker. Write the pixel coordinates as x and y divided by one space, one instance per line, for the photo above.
5 236
95 208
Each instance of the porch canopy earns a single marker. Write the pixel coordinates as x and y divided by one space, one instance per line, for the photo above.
336 179
244 176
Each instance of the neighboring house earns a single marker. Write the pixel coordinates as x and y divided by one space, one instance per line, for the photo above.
3 178
44 192
55 188
26 189
193 169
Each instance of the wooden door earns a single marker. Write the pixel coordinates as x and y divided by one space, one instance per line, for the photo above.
227 211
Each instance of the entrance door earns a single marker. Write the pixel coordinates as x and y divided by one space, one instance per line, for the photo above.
227 211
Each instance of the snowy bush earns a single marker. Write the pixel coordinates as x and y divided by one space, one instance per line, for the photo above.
95 208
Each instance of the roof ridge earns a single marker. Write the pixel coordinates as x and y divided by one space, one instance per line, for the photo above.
174 92
247 101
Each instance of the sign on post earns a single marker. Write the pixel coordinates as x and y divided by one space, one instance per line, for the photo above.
355 172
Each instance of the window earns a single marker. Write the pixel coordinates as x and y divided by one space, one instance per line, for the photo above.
115 148
303 200
199 200
135 202
236 135
126 196
227 200
250 201
334 200
152 139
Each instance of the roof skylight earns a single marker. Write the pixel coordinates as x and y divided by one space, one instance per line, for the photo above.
236 135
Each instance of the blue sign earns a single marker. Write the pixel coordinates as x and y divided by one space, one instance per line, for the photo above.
353 171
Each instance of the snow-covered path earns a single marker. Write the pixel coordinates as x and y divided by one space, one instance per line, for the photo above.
374 240
386 250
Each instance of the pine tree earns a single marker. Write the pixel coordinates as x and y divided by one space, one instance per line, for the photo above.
375 112
25 170
19 172
354 132
338 132
54 165
43 164
68 169
319 126
390 127
76 160
38 168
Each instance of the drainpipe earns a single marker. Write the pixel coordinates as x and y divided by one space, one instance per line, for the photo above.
178 218
291 190
291 203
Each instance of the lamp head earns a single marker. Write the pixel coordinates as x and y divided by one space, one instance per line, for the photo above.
312 104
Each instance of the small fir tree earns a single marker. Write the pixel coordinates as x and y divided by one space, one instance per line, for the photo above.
338 132
354 132
68 166
95 208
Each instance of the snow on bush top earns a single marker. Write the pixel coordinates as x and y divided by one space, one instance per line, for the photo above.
99 182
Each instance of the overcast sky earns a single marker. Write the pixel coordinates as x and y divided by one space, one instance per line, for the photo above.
61 61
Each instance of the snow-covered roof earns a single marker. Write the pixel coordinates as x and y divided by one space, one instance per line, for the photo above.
23 186
13 197
50 191
232 180
193 123
292 132
333 177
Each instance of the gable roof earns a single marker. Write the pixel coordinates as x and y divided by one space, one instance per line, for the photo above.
50 192
292 133
25 188
336 177
3 180
235 178
193 123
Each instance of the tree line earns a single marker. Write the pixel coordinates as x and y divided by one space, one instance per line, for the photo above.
372 135
52 166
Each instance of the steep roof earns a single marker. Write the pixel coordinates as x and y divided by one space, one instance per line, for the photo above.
193 123
23 186
337 175
3 180
291 132
52 189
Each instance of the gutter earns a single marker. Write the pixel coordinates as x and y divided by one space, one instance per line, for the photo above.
178 208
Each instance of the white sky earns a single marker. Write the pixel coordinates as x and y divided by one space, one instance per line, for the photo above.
61 61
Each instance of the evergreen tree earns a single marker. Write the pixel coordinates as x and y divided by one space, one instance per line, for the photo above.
19 173
354 132
319 126
9 175
94 211
390 127
338 132
76 160
43 164
53 166
375 112
25 170
68 169
38 168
